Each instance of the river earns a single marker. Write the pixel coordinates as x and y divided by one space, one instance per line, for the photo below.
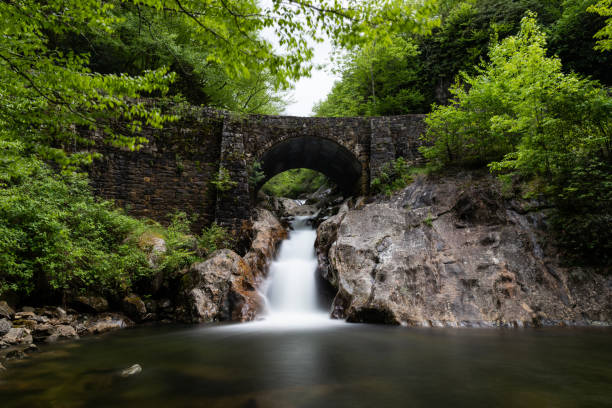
297 357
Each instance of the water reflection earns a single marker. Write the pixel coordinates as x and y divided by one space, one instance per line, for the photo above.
341 366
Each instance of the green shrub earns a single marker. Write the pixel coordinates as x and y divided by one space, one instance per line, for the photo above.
57 238
393 177
528 120
294 183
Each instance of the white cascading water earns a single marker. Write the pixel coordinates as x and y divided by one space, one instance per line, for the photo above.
291 288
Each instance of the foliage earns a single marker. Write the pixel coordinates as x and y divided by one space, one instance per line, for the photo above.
142 38
412 78
212 238
523 116
378 79
295 183
604 8
55 237
571 38
393 176
223 180
48 88
256 174
55 234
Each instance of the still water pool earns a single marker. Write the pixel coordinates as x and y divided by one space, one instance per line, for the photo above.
342 365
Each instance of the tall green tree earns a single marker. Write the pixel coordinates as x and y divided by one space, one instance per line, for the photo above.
604 9
48 90
524 117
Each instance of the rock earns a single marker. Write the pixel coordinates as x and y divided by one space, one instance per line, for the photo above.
2 368
133 370
134 307
26 323
222 288
5 326
14 354
28 309
90 304
405 261
61 313
269 232
106 323
18 336
155 247
5 310
62 332
25 315
32 348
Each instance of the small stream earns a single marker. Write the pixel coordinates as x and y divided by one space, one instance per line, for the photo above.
295 356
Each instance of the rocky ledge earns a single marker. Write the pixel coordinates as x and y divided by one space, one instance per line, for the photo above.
453 252
21 331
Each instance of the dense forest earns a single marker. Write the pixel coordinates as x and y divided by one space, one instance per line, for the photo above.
519 86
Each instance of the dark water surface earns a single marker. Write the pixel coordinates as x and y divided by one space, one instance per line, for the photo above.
339 366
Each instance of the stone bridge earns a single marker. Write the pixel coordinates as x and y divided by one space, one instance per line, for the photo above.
175 169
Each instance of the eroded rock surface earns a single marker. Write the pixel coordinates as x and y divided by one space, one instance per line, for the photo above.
221 288
224 286
453 253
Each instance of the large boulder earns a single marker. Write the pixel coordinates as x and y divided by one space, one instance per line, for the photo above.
453 253
222 288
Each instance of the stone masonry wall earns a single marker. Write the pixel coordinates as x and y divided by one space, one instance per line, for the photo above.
173 172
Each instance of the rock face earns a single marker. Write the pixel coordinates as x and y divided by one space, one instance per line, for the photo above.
224 286
269 232
453 253
221 288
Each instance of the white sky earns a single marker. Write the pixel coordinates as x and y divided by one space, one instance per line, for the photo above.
307 91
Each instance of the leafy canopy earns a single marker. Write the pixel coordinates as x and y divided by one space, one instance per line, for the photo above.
522 116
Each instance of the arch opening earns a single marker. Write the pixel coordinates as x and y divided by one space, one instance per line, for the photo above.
322 155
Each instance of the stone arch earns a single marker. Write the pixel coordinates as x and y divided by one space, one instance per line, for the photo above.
316 153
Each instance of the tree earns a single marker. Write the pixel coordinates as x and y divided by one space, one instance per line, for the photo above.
47 91
377 79
527 119
604 8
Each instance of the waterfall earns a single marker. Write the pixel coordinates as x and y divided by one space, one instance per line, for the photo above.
291 286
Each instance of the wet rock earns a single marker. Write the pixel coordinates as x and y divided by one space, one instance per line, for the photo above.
23 315
130 371
18 336
269 232
26 323
5 326
222 288
14 354
62 332
6 311
134 307
405 261
31 348
90 304
105 323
